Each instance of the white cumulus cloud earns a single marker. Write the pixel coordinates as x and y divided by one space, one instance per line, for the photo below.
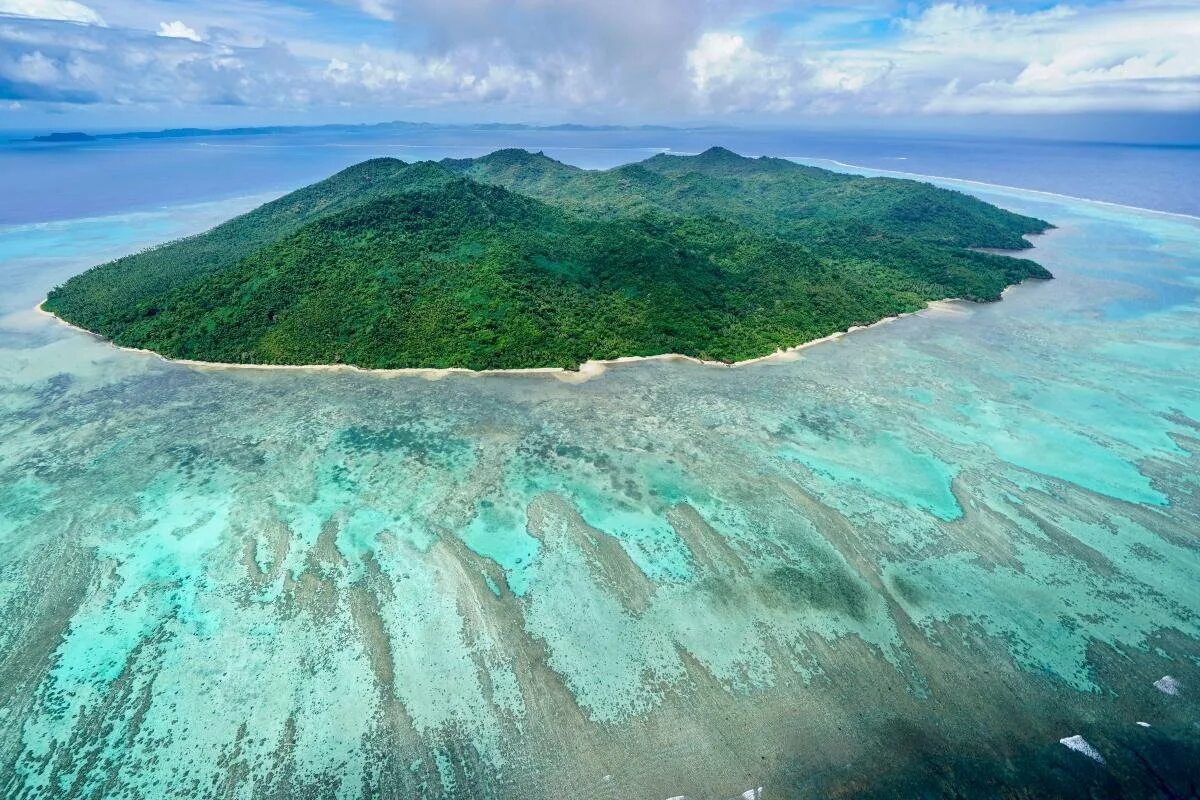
964 57
1143 55
631 59
177 30
65 10
729 75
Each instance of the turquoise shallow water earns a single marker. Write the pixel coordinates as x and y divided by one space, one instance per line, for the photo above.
906 562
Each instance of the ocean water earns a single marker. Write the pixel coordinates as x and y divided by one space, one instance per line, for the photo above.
40 182
910 562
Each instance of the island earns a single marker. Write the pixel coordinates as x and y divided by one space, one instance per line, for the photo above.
53 138
514 260
397 126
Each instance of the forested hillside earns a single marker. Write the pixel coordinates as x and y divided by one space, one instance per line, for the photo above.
516 260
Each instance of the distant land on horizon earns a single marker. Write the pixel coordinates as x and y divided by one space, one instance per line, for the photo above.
515 260
1042 134
399 125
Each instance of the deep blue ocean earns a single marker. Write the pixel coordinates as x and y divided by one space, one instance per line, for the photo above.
40 182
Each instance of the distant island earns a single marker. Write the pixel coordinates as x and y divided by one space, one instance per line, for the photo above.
74 136
515 260
398 126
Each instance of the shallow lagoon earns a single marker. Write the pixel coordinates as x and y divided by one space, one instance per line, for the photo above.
909 561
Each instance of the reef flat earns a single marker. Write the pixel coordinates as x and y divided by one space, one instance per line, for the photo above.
916 561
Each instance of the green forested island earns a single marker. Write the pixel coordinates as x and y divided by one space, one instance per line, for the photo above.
515 260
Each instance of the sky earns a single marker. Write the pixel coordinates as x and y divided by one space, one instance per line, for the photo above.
104 64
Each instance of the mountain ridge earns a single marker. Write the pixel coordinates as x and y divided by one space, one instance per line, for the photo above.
514 260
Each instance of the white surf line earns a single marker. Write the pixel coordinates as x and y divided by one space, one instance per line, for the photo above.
154 211
808 159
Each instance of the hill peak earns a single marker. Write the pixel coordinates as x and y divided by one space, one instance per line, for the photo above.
715 156
716 152
516 156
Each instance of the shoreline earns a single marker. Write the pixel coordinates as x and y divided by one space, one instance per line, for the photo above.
807 161
592 368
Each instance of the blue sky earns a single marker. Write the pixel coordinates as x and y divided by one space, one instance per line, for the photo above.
158 63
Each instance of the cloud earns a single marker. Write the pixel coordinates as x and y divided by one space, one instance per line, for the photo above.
633 59
534 55
177 30
624 53
719 58
730 75
55 62
1132 55
65 10
961 58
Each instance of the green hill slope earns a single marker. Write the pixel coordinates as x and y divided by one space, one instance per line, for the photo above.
772 195
515 260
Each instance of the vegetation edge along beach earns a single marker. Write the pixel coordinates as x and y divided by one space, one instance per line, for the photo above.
515 261
584 372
